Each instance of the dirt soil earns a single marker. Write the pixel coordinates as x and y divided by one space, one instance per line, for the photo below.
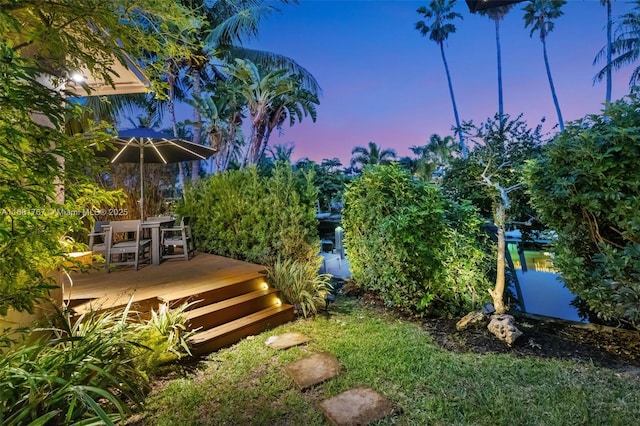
615 349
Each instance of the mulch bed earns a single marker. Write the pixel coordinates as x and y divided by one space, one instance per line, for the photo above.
615 349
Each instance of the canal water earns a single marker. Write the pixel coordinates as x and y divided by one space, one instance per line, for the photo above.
542 290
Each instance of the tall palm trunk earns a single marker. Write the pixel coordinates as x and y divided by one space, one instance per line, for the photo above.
609 24
453 101
197 123
499 50
254 145
553 89
171 79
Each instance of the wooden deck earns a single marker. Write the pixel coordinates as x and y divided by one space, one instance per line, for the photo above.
233 297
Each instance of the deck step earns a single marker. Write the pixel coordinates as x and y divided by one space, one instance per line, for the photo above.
140 306
216 291
231 332
216 314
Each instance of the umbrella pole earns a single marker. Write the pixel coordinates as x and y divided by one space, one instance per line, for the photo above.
142 182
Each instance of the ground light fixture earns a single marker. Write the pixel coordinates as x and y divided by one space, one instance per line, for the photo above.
479 5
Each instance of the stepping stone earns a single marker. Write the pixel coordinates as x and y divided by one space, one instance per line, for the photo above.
314 369
287 340
359 406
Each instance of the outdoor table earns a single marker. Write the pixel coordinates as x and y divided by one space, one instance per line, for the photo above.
154 224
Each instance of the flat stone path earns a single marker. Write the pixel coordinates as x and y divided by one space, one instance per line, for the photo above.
314 369
287 340
359 406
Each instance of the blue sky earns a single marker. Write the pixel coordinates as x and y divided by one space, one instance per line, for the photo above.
384 82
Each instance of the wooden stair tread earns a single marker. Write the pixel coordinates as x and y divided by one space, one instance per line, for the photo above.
227 303
111 303
230 327
192 290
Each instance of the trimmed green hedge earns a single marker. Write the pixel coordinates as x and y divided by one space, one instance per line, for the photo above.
417 250
246 216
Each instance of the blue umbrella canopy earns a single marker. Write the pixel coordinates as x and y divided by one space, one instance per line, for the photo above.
142 145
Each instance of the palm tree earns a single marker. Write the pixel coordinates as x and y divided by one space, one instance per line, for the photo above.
432 157
230 24
539 15
440 13
281 153
497 14
271 98
607 3
371 155
222 108
625 47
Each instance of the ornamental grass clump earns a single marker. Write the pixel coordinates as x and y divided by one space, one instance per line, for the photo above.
300 284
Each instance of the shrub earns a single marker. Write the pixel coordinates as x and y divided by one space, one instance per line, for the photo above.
243 215
300 284
84 371
413 247
586 187
92 370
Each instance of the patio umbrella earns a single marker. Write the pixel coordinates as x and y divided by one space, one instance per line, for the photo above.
142 145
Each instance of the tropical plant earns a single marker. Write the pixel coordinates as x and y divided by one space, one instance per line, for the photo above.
586 189
434 157
163 338
45 186
625 47
330 181
248 216
502 147
222 107
230 24
407 243
371 155
497 14
440 13
539 15
83 373
300 284
92 369
271 98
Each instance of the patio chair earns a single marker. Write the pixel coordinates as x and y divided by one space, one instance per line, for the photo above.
127 244
98 237
177 237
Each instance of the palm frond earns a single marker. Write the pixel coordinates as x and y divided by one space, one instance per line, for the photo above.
271 60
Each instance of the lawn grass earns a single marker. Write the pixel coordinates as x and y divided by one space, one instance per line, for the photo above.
247 385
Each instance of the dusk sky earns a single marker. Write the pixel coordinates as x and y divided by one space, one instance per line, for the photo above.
382 81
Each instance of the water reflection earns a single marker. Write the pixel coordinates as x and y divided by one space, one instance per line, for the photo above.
542 291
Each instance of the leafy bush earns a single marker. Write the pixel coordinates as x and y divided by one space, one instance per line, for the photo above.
92 370
406 242
300 284
243 215
84 371
163 338
587 188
